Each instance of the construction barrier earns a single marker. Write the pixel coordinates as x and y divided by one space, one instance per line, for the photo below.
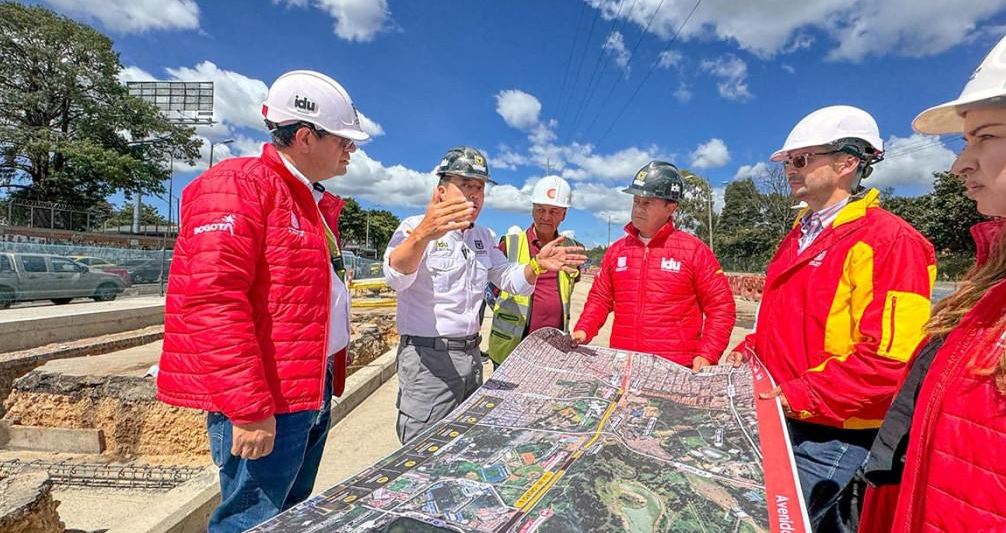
747 286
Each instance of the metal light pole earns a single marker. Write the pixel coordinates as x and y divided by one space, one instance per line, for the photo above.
609 230
164 237
711 218
212 144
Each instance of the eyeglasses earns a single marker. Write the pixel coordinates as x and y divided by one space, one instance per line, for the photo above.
343 141
803 160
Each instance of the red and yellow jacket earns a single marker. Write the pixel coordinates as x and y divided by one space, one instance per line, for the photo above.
839 321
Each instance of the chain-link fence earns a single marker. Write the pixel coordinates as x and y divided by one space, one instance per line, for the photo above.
50 215
362 268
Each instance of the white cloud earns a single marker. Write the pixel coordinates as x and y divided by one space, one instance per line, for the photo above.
519 109
732 73
241 147
853 29
711 154
670 58
683 94
134 74
133 16
789 68
619 166
912 28
368 125
910 162
615 47
719 198
394 185
507 158
755 171
237 99
355 20
604 202
507 197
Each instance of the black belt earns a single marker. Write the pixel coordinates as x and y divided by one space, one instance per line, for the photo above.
443 343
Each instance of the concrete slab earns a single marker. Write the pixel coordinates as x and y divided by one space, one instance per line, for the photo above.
77 308
130 362
361 439
51 439
21 329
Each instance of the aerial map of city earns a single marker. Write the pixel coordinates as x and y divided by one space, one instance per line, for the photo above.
584 439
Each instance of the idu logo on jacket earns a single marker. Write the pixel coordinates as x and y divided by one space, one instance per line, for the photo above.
668 264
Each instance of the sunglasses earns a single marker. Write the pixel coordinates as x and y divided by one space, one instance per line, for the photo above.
803 160
343 141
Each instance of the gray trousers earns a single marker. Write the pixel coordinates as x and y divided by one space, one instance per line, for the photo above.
433 380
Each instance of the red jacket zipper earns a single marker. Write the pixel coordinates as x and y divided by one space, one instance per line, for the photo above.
642 293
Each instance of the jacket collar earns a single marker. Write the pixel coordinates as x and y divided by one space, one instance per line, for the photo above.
658 238
330 205
985 235
854 210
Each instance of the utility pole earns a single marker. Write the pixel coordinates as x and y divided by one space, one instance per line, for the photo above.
711 218
137 207
609 231
368 229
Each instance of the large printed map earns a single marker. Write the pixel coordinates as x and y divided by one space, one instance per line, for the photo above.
584 439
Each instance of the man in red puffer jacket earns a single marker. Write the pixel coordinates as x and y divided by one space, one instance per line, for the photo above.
666 287
257 312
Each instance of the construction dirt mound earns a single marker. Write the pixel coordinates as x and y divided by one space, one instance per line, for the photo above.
134 424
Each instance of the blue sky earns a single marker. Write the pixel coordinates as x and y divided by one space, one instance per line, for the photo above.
514 79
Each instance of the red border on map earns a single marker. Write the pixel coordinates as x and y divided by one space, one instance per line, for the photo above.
783 496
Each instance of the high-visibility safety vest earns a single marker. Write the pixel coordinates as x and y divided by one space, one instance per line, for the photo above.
512 312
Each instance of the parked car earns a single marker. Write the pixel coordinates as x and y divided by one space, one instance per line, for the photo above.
26 277
146 270
104 265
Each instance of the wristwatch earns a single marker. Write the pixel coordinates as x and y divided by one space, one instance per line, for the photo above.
536 268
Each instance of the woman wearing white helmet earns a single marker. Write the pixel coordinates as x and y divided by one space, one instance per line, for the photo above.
944 439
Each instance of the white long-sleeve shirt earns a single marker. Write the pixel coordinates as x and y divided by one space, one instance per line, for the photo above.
442 297
338 316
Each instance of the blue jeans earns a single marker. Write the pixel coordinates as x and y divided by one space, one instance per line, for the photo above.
253 491
827 461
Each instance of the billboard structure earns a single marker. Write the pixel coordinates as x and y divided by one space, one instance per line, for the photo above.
181 102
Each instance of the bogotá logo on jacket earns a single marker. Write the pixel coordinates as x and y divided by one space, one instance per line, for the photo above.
295 225
226 223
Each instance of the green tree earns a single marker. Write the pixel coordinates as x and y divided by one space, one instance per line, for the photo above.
694 209
123 216
65 120
756 215
595 254
949 215
353 222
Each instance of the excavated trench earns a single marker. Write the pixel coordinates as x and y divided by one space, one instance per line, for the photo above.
133 423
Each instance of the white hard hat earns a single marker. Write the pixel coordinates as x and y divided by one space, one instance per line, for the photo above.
987 83
313 97
829 124
552 190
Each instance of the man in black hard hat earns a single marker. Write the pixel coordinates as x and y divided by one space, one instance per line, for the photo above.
666 287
